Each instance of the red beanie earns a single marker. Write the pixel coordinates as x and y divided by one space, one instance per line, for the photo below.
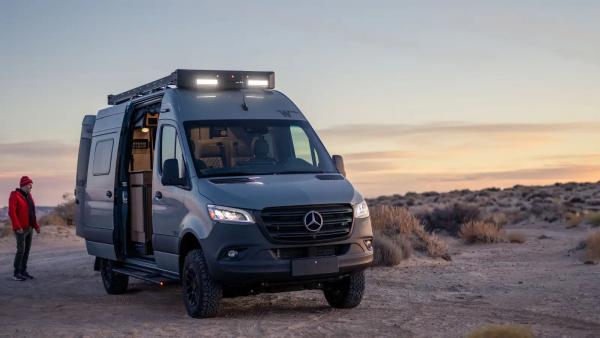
25 180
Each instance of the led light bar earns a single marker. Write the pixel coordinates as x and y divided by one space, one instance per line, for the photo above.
258 83
199 80
210 82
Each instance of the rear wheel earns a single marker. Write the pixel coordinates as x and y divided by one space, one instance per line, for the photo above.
201 294
347 293
114 282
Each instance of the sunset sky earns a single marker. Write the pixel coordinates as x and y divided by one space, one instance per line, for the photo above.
416 95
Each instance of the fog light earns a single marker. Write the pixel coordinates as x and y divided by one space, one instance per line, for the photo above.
232 253
369 244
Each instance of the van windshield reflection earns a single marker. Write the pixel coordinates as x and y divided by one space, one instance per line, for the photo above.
256 147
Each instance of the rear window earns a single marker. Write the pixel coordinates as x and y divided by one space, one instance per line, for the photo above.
102 157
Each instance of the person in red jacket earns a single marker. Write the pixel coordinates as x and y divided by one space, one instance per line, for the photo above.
21 210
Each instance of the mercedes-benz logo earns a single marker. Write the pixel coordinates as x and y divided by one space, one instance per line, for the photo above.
313 221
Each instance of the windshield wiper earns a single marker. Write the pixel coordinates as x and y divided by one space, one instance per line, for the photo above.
237 173
299 172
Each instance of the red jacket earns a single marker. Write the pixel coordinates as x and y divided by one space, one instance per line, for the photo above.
18 211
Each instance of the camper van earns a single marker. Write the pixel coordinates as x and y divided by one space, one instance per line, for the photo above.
215 180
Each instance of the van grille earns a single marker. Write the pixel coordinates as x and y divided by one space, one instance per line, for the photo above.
286 224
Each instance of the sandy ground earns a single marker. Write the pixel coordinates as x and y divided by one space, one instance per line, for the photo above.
538 283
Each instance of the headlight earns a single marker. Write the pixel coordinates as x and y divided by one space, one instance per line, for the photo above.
231 215
361 210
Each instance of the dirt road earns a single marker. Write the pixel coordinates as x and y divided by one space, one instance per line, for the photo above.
537 283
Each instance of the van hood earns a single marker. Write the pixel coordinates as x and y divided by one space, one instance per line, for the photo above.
258 192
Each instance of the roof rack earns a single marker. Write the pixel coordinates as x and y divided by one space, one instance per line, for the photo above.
200 79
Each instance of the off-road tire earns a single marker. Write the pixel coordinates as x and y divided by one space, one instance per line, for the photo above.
114 282
346 293
201 294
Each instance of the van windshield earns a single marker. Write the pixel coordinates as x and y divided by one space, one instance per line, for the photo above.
256 147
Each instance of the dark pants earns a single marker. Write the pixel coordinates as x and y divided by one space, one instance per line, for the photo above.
23 246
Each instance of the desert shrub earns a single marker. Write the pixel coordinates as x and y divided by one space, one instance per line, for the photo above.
66 210
52 219
515 215
499 218
399 225
548 210
62 214
450 218
502 331
576 199
516 237
480 232
573 219
436 247
5 229
392 220
385 251
593 219
592 247
402 242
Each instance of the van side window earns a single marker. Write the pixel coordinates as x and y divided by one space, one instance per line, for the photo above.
302 146
171 148
102 157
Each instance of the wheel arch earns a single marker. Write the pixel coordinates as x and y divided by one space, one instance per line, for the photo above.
189 241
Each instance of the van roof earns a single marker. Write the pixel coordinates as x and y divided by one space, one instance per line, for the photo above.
192 105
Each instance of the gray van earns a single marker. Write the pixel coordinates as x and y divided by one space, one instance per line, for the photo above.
215 180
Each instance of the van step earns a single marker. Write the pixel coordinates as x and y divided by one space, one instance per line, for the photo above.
151 277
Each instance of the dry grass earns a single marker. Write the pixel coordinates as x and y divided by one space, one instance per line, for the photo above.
403 230
593 219
592 247
574 219
403 244
481 232
502 331
62 214
516 237
52 219
392 220
499 218
435 246
5 230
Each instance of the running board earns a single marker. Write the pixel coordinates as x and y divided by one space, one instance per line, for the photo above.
151 277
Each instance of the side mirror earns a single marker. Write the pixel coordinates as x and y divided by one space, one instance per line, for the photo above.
338 160
170 174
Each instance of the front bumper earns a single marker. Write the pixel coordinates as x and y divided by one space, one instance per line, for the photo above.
259 260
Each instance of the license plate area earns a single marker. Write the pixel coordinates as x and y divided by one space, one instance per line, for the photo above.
314 266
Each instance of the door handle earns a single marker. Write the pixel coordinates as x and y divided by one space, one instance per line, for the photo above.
109 194
158 195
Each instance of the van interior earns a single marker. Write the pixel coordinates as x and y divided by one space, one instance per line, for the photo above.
142 144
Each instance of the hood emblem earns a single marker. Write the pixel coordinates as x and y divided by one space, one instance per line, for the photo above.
313 221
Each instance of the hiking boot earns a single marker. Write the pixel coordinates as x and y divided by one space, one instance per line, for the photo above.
27 275
18 277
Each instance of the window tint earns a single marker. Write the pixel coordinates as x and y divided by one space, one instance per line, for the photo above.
249 147
171 148
102 157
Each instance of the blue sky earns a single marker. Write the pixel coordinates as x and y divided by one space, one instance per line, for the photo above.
508 91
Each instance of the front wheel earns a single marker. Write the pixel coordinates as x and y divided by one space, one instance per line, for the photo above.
114 282
201 294
346 293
